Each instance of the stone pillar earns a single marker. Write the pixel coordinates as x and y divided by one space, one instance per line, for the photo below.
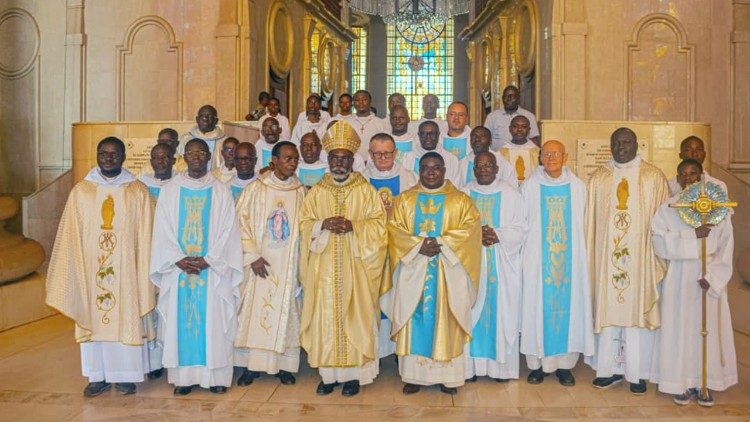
75 75
569 29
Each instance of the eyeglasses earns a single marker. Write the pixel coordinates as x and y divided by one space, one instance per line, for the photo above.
553 154
196 154
381 155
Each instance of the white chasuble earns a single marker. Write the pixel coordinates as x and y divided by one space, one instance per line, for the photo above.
269 316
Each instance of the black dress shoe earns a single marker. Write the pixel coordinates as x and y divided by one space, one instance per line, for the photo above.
325 389
501 380
350 388
448 390
218 389
125 388
536 376
93 389
565 377
472 379
155 374
247 377
183 390
638 389
411 389
606 382
286 377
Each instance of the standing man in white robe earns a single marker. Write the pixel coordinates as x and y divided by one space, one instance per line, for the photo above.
98 271
456 139
429 136
694 148
169 137
345 107
312 119
623 196
161 162
270 135
520 152
493 350
498 122
274 110
197 265
389 178
480 140
430 106
311 167
244 163
269 315
226 171
679 344
556 324
206 129
365 122
404 138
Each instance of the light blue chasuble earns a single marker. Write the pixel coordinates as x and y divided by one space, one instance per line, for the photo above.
154 191
428 222
484 335
310 177
192 235
557 261
456 146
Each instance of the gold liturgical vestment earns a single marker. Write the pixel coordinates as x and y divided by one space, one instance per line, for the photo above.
341 273
98 272
623 267
461 232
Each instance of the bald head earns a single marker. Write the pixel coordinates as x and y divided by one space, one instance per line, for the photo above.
624 145
553 158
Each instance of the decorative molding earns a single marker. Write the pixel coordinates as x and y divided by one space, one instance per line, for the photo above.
7 70
127 49
280 65
327 81
319 11
683 47
487 16
525 49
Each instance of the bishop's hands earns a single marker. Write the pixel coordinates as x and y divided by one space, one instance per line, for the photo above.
489 236
337 225
703 231
259 267
430 247
192 264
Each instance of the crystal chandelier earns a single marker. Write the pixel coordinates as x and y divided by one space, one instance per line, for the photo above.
413 17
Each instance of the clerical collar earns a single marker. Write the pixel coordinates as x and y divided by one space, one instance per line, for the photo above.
635 162
436 190
464 134
377 174
549 180
95 175
495 186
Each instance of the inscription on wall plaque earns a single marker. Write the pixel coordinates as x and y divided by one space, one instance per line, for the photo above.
592 153
137 153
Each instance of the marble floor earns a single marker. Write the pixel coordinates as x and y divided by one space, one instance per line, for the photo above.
40 379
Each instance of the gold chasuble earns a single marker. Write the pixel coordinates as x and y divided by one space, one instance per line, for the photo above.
341 273
449 302
98 272
624 270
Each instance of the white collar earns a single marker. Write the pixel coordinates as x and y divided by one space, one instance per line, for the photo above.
377 174
635 162
183 179
95 175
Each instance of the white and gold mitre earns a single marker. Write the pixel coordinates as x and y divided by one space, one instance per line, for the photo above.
341 135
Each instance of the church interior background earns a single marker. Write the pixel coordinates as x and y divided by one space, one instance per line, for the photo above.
74 71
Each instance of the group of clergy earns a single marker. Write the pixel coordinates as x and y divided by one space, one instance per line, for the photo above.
456 248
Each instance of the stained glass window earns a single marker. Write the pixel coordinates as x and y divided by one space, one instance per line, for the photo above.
314 73
415 69
359 59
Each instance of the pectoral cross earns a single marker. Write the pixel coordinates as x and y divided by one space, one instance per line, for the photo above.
703 205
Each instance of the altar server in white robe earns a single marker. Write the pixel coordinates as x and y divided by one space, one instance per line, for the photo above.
269 315
556 323
694 148
679 344
429 136
493 350
274 110
365 122
480 140
197 265
244 163
389 178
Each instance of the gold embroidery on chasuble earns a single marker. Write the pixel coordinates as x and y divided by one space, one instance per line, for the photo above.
557 239
105 273
621 253
192 239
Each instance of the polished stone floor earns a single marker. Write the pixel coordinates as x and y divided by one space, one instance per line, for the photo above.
40 379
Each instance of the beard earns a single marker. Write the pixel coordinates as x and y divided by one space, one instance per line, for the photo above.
340 174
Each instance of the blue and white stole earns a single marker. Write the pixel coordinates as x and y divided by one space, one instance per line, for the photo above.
484 335
456 146
310 176
428 222
403 147
557 261
154 191
265 156
390 188
192 289
469 172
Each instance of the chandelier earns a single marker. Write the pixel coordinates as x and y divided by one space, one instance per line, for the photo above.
418 21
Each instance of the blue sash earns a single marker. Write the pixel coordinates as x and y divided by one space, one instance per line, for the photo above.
192 236
484 335
390 187
310 177
265 158
470 172
154 191
428 222
456 146
557 261
236 191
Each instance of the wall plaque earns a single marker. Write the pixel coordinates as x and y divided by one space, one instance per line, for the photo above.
592 153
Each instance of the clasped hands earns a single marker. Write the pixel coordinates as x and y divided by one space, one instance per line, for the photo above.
430 247
192 264
489 236
337 225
